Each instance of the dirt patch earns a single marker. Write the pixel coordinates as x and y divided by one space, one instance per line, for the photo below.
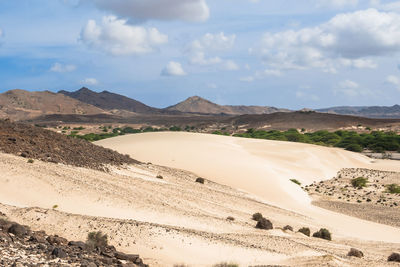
37 143
371 201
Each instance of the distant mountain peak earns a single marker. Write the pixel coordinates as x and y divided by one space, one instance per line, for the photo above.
197 104
110 101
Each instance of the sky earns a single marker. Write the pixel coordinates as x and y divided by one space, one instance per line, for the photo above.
288 53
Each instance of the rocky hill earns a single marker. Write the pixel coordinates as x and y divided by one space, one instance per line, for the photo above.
110 101
371 112
310 120
196 104
20 104
19 246
36 143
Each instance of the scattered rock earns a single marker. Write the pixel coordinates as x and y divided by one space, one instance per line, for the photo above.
394 257
264 224
59 253
355 253
18 230
288 228
39 249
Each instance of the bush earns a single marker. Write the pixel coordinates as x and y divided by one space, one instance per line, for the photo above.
264 224
257 216
323 233
354 148
159 177
394 257
359 182
288 227
355 253
200 180
305 231
55 206
30 161
97 240
295 181
393 188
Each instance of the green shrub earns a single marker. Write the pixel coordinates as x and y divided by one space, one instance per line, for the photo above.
160 177
55 206
323 233
30 160
230 218
200 180
257 216
305 231
295 181
97 240
359 182
393 189
354 148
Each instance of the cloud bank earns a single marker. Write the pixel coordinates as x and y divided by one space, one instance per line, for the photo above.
118 38
187 10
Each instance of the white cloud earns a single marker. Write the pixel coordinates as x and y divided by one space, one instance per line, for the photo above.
350 88
188 10
173 69
212 85
199 50
337 3
393 80
270 72
116 37
230 65
90 81
248 79
392 6
359 63
199 58
306 96
348 39
348 84
58 67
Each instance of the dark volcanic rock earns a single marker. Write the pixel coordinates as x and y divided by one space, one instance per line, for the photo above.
264 224
36 248
37 143
18 230
59 253
127 257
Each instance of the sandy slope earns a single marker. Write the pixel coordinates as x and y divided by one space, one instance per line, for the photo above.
262 168
169 221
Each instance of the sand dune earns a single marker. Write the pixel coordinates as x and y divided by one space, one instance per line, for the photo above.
176 220
262 168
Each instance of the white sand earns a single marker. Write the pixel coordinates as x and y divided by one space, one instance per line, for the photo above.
262 168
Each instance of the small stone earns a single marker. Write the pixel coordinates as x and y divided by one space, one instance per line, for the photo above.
59 253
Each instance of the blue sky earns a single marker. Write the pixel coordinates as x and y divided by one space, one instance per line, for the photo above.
288 53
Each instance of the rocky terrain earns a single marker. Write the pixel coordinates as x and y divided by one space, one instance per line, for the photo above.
196 104
21 104
109 101
33 142
19 246
371 112
371 202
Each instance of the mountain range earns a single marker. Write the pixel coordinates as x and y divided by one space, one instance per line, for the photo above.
20 104
370 112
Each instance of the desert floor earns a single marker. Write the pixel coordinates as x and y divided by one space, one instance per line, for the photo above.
175 220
